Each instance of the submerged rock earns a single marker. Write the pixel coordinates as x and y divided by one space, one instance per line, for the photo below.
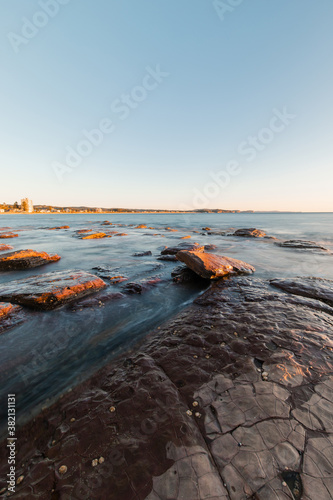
142 254
58 227
250 233
50 290
8 235
171 258
110 273
3 248
25 259
301 244
210 266
132 288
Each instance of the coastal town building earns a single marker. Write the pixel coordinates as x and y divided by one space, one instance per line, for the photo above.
27 205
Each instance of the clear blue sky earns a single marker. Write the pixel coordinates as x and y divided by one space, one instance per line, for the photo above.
225 78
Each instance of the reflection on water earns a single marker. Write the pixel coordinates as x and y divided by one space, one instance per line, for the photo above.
51 351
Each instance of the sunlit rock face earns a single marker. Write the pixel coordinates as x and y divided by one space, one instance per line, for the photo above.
212 266
250 233
25 259
51 290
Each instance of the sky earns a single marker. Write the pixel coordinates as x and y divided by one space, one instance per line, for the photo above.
167 104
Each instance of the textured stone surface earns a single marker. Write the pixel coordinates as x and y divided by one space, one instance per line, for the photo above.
50 290
95 236
10 315
8 235
301 245
250 233
25 259
182 246
315 288
210 266
232 399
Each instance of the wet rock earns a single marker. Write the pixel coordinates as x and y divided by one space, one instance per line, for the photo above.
171 258
50 290
10 315
109 273
8 235
207 248
182 246
250 233
185 237
4 248
94 236
99 301
141 226
58 227
301 245
25 259
314 288
171 230
82 231
133 288
206 229
210 266
182 274
263 439
121 234
142 254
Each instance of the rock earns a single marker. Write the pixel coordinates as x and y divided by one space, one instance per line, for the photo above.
265 439
8 235
94 236
210 266
50 290
99 301
10 315
314 288
206 229
82 231
182 274
121 234
25 259
185 237
4 248
109 273
142 254
250 233
182 246
170 229
132 288
171 258
301 245
207 248
58 227
141 226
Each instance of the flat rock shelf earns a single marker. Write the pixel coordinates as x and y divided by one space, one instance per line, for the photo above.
231 399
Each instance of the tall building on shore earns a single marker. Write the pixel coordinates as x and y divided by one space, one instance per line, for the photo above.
27 205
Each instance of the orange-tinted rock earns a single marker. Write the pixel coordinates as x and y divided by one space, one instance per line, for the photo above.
25 259
8 235
170 229
58 227
95 236
121 234
82 231
185 237
51 290
3 248
141 226
212 266
10 315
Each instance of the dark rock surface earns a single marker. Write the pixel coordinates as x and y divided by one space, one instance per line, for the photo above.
58 227
182 274
142 254
301 245
171 258
250 233
50 290
211 266
109 273
25 259
314 288
232 399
